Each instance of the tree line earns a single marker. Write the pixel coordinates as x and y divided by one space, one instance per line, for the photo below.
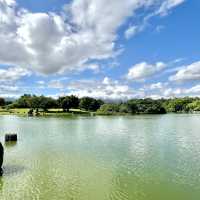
133 106
45 103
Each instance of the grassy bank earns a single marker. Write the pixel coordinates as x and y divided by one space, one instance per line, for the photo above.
50 112
16 111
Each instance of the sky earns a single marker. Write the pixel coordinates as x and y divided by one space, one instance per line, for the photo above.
108 49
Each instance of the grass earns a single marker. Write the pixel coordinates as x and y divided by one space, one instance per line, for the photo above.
51 112
16 111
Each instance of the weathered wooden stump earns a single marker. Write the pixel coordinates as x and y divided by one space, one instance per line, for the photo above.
11 137
1 158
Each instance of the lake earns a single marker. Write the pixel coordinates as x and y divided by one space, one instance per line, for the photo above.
144 157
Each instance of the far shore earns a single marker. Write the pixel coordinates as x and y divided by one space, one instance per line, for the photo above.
51 112
24 112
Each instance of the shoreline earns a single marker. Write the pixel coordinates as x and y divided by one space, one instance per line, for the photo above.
23 112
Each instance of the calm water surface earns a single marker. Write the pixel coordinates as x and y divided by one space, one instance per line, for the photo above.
146 157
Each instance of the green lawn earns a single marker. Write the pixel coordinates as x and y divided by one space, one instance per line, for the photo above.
17 111
50 112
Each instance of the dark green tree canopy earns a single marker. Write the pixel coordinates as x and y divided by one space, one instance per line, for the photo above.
90 104
68 102
2 101
133 106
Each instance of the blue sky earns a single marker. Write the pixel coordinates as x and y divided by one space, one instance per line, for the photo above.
100 48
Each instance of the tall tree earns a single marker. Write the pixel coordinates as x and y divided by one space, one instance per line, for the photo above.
91 104
2 101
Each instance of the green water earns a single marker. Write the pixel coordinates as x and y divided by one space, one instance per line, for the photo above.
146 157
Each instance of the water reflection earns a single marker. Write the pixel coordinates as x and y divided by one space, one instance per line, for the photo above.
102 158
10 144
11 170
1 183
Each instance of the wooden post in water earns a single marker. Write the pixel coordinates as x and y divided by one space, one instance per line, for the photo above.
1 158
11 137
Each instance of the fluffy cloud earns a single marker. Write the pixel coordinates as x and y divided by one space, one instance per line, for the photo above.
144 70
50 42
182 92
187 73
8 88
13 74
193 90
107 89
157 86
8 81
165 90
162 8
131 31
166 6
56 84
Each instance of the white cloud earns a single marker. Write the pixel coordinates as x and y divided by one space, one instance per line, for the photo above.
106 89
9 90
50 42
164 90
157 86
93 67
56 84
13 74
131 31
9 85
109 89
144 70
159 28
41 82
162 8
106 81
182 92
194 90
166 6
187 73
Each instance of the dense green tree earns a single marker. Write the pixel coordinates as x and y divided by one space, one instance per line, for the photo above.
46 103
59 101
23 101
2 102
74 101
90 104
34 102
124 108
194 106
178 104
66 103
133 106
109 108
147 106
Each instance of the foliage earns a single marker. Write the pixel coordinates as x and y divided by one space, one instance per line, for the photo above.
46 103
68 102
35 102
194 106
133 106
124 108
2 102
23 102
90 104
178 104
109 109
147 106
